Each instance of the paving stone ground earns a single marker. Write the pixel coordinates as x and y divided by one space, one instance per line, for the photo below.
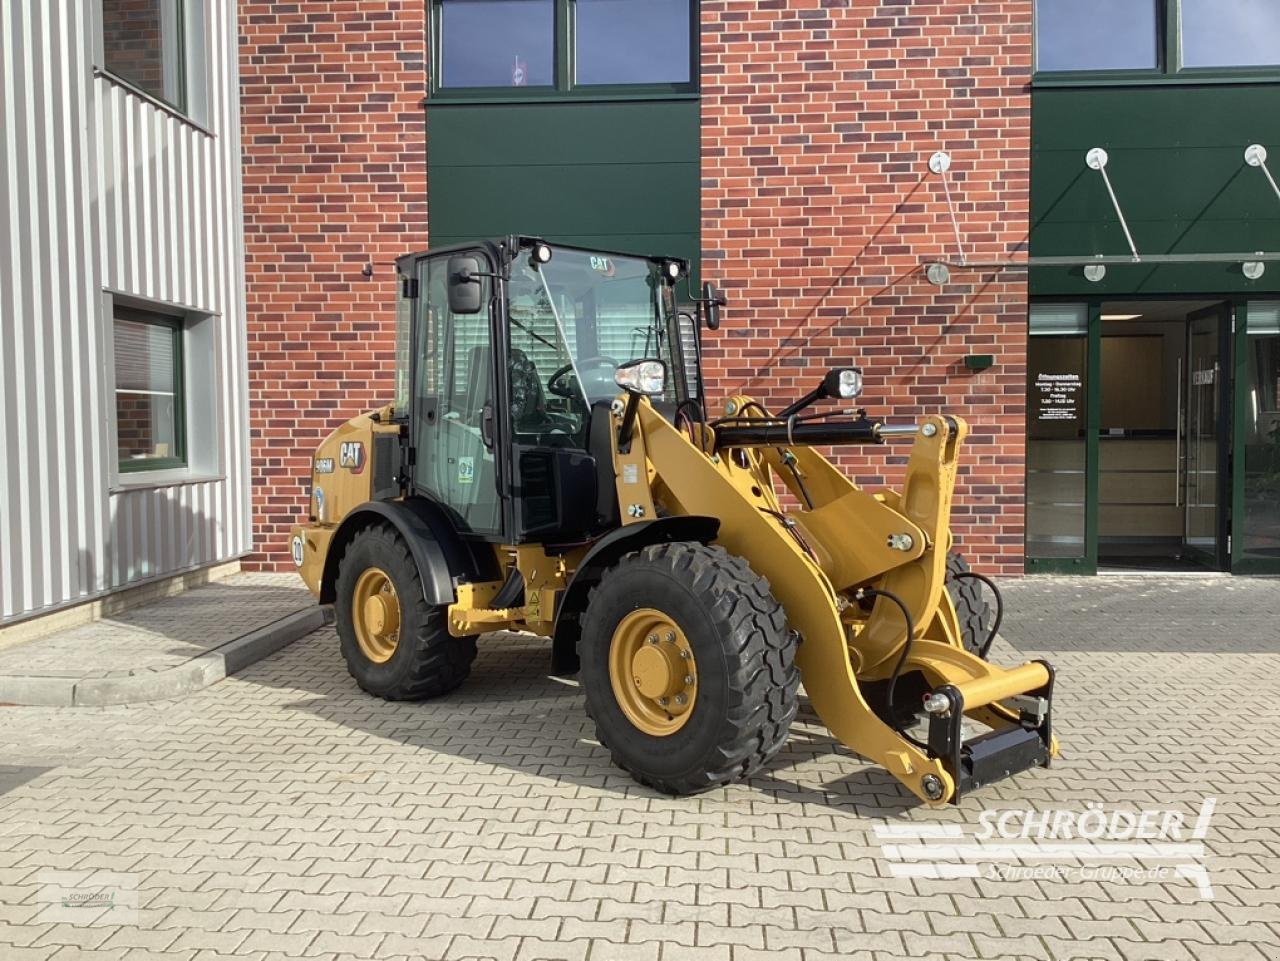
283 814
161 634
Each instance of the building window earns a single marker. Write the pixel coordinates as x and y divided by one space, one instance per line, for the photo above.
632 41
143 44
1097 35
150 414
556 48
1230 33
497 43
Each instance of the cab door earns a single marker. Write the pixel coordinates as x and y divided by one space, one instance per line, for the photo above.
453 421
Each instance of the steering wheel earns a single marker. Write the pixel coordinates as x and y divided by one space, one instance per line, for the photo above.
557 385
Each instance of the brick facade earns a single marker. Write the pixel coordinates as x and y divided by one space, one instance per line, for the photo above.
818 210
334 178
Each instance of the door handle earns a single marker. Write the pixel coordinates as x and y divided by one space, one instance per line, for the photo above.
486 425
1177 455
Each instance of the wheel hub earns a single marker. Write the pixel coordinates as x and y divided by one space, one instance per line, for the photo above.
375 610
382 614
652 672
654 668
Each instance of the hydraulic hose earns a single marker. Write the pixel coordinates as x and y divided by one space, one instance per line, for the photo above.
902 659
995 625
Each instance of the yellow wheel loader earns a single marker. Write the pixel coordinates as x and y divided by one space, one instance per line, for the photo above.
549 465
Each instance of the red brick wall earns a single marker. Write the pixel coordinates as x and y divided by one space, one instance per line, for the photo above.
818 210
334 177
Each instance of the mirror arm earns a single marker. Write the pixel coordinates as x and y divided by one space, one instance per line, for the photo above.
467 277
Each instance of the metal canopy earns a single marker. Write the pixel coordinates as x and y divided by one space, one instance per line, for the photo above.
1252 263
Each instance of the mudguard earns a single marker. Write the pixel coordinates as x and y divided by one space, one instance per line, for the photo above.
604 554
441 553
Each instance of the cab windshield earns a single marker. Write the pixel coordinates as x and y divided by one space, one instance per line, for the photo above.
574 321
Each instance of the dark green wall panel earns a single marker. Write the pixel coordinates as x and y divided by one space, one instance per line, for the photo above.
1177 164
620 175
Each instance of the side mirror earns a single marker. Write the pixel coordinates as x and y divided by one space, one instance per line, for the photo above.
713 300
466 285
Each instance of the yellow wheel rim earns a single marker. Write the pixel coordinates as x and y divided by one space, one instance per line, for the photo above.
652 672
375 611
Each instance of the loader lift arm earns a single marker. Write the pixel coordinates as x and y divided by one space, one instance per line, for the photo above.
901 548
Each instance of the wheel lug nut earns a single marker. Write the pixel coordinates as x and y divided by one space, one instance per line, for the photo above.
662 701
671 637
688 679
682 699
686 655
652 638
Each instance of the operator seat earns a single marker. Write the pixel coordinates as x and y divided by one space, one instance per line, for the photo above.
528 402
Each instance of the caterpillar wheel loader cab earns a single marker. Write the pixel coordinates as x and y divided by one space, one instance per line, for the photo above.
549 465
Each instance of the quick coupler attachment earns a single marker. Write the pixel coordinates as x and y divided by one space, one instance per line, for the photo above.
1023 739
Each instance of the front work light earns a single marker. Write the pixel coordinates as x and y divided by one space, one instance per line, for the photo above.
542 254
648 377
674 270
843 382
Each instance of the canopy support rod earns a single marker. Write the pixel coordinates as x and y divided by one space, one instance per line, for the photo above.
1256 156
1097 159
939 164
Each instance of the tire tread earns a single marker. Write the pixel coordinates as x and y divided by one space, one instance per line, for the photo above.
972 610
760 655
439 662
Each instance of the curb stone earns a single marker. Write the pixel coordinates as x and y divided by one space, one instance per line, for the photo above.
187 678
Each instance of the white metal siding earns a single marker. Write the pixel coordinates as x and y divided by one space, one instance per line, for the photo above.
100 190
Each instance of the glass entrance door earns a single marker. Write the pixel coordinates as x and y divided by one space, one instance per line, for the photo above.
1062 445
1256 515
1204 430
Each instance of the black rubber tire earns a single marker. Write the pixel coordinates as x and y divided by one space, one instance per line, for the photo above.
970 599
428 660
745 657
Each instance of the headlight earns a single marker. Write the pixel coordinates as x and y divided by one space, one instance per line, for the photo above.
647 377
844 383
674 270
542 254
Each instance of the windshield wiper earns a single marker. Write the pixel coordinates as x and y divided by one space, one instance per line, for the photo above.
536 336
573 361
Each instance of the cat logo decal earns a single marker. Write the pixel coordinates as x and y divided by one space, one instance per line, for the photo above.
351 456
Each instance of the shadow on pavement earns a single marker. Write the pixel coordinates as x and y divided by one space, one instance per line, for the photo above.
511 715
14 776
